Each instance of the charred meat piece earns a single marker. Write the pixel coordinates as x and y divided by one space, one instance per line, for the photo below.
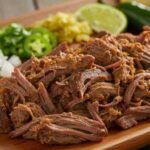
24 113
133 115
102 49
63 128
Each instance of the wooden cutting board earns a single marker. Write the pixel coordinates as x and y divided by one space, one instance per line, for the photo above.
133 138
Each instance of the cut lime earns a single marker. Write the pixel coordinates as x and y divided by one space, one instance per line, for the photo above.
102 17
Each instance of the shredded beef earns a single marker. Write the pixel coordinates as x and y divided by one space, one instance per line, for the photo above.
133 115
79 92
46 101
63 128
132 86
124 73
5 121
101 91
101 49
24 113
26 85
63 47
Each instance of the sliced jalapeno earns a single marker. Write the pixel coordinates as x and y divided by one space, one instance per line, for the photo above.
37 45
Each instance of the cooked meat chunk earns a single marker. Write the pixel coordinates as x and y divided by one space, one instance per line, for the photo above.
101 49
12 85
5 121
133 115
80 81
52 67
144 37
139 52
63 128
125 72
24 113
93 110
45 100
26 85
132 86
109 115
63 47
126 37
101 91
142 90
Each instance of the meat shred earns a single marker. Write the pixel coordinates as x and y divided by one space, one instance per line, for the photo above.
78 93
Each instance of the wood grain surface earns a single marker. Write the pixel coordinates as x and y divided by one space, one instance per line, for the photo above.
130 139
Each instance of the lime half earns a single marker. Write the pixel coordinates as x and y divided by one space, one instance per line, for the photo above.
102 17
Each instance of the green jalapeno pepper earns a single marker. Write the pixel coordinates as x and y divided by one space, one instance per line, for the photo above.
37 45
46 35
138 14
17 40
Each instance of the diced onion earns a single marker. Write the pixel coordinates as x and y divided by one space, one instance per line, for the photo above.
1 62
15 60
7 69
7 66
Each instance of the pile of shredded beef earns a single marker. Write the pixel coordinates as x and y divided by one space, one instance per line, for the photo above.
78 93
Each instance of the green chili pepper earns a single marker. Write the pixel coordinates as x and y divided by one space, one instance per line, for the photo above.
138 14
46 35
11 38
17 40
37 45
